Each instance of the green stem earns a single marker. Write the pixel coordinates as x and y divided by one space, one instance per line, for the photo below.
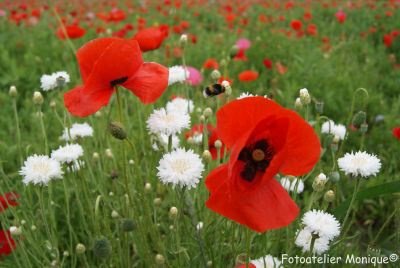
46 146
18 131
353 198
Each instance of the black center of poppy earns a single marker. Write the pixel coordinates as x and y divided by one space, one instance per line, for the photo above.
256 157
118 81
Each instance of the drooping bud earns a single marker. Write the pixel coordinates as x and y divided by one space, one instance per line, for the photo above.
117 130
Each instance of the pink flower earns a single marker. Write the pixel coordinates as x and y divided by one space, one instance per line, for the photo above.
243 44
195 77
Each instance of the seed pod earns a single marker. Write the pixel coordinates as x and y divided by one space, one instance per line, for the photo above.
117 130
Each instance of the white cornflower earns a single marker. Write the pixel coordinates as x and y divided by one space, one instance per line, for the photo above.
40 169
305 97
329 127
180 167
177 74
162 140
180 105
321 223
169 123
197 138
304 239
291 184
68 153
51 81
266 262
359 164
245 95
77 131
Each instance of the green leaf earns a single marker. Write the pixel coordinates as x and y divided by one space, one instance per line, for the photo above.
371 192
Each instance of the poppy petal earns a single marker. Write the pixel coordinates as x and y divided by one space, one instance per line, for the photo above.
83 104
268 206
238 116
302 145
149 82
151 38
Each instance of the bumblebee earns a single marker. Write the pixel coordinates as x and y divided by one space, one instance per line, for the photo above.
213 90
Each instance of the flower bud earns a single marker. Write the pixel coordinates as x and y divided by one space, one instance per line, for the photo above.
131 162
117 130
207 112
227 86
215 75
127 225
329 196
13 92
157 201
37 98
218 144
207 156
160 260
183 40
109 153
114 214
96 156
209 264
33 228
298 104
305 97
80 248
334 176
173 212
102 248
15 231
53 104
147 187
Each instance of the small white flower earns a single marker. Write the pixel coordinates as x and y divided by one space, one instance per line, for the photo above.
177 74
322 177
292 184
76 166
162 140
77 131
329 127
180 167
51 81
40 169
304 239
68 153
359 164
166 122
180 105
199 225
321 223
266 262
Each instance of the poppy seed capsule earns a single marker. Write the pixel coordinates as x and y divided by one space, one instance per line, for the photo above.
117 130
102 248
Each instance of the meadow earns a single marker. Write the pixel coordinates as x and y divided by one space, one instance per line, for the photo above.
199 133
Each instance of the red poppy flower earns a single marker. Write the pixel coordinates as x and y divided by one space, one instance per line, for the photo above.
264 139
282 69
296 25
71 31
340 16
9 199
388 40
267 63
396 132
151 38
212 137
7 243
211 64
107 62
248 76
240 55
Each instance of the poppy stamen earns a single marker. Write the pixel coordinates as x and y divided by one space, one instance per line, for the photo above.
118 81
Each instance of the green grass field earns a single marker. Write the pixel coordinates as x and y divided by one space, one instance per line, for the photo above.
116 212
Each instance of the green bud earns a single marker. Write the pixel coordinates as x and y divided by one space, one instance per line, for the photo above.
117 130
359 118
102 248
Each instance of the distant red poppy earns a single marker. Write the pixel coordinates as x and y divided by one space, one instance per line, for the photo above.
211 64
340 16
71 31
107 62
396 132
267 63
312 29
282 69
240 55
248 76
151 38
388 40
296 25
7 243
264 139
9 199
